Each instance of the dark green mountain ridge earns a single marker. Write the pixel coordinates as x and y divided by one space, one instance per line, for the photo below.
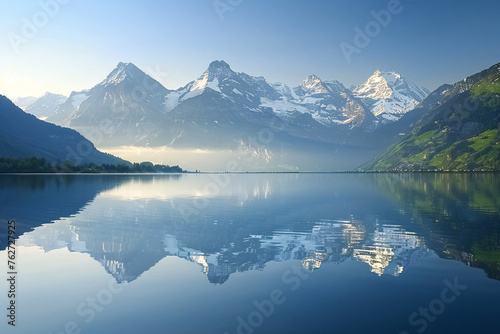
23 135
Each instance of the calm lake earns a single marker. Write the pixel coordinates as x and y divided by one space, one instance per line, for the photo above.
253 253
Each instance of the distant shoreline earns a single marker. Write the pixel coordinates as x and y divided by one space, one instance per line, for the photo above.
250 173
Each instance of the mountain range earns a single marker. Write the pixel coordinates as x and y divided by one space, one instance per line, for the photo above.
281 126
318 125
228 97
385 95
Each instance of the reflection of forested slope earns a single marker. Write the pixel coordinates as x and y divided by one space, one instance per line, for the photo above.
34 200
460 211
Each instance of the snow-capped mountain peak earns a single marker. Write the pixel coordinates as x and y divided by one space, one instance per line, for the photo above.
219 69
123 71
313 85
390 95
378 85
391 77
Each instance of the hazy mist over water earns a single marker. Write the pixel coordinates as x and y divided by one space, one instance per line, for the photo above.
246 158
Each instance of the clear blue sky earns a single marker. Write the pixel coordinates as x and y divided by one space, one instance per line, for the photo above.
430 42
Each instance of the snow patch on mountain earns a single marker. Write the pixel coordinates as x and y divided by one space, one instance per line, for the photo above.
190 94
78 99
283 107
214 85
285 90
172 100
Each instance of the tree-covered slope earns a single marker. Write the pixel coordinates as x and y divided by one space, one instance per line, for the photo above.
460 130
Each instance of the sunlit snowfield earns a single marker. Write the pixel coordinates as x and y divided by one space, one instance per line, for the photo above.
267 253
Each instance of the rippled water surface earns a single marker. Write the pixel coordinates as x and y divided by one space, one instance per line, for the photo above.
265 253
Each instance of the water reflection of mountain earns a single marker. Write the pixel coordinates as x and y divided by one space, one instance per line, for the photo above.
131 227
459 212
387 249
129 237
36 199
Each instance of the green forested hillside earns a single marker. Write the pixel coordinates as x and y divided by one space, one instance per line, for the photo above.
459 132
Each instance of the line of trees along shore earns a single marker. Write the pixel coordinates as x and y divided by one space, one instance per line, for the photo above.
40 165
